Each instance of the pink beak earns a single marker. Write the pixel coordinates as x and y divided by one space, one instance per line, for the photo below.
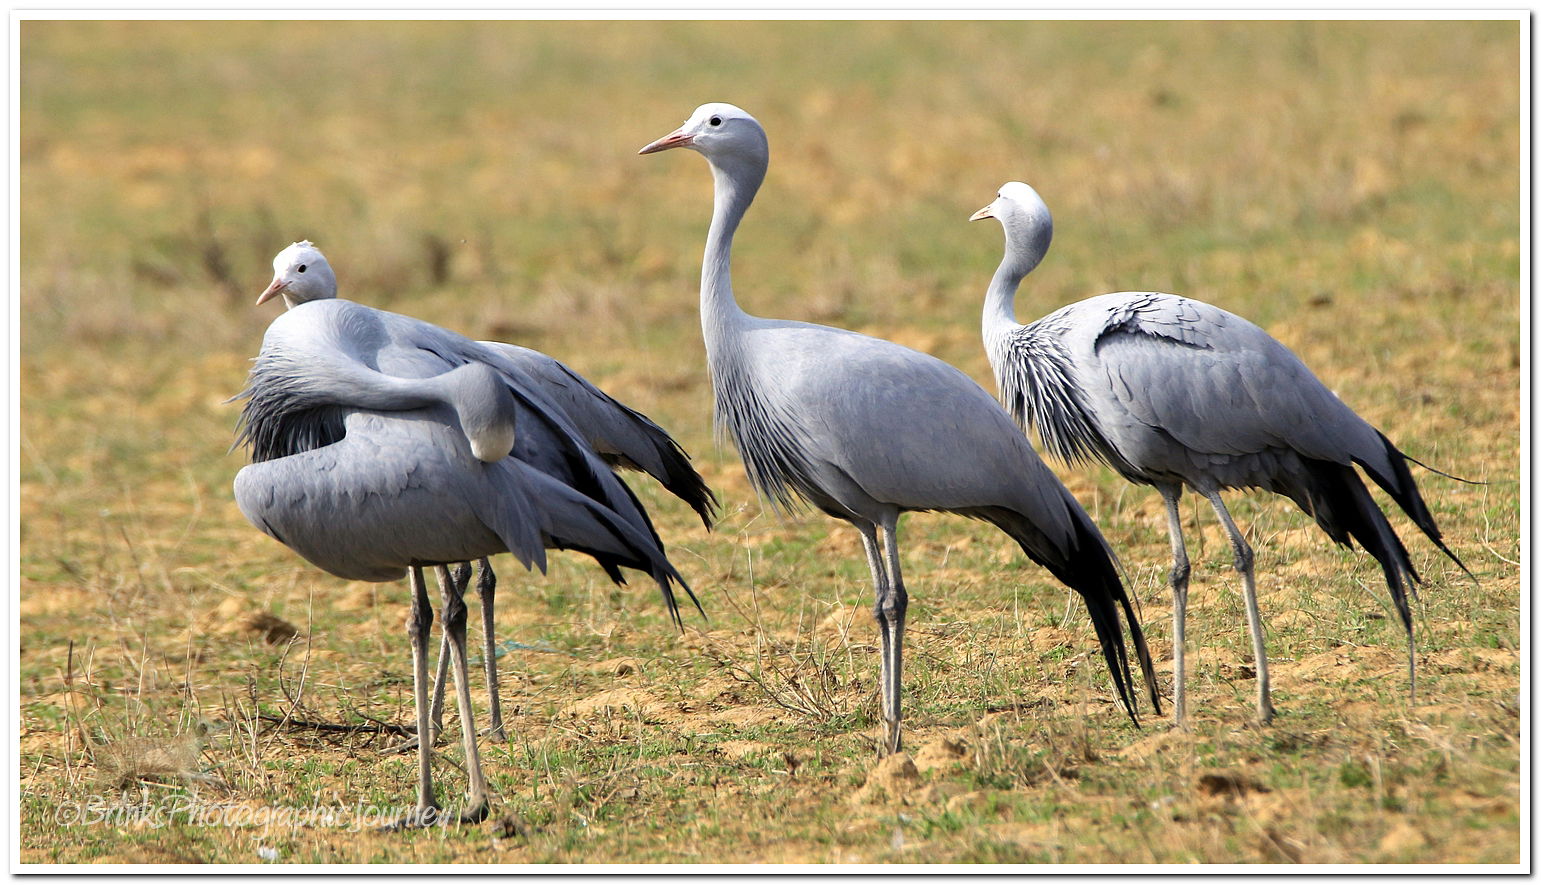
677 138
273 288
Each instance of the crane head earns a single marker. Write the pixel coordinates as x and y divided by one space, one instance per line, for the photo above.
300 273
1025 216
720 132
1015 201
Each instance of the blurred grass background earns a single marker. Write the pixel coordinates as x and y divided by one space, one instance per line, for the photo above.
1351 186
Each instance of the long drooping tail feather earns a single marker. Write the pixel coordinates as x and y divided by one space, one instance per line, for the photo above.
1088 569
672 468
1403 490
684 482
660 576
639 555
669 464
1335 496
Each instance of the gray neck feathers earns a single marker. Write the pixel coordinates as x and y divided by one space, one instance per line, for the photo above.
735 183
1032 370
1025 249
735 179
759 425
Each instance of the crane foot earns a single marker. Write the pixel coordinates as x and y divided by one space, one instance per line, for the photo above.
474 813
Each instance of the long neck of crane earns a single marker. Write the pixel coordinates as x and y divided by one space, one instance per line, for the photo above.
735 187
1023 253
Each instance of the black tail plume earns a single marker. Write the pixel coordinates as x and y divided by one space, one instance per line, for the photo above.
1088 569
1403 490
680 476
666 572
1335 496
675 472
644 557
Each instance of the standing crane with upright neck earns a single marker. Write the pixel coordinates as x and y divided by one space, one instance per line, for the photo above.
864 430
1173 393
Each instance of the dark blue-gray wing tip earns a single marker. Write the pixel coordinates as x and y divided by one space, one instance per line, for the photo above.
666 577
684 481
706 506
1426 522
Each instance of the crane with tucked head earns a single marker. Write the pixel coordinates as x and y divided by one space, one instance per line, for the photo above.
382 445
621 436
864 430
1173 393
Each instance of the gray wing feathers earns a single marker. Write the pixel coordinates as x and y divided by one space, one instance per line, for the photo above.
399 488
610 427
1221 387
393 482
1168 316
886 435
621 435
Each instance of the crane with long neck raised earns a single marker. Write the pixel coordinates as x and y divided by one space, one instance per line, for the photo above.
1173 392
864 430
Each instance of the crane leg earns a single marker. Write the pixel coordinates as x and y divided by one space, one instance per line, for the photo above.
419 622
1173 497
455 628
486 589
440 677
441 672
1243 553
461 578
869 540
891 615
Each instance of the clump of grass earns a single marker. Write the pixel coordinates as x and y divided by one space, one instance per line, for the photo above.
126 762
809 675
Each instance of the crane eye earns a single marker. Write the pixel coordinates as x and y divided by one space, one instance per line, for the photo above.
715 121
301 268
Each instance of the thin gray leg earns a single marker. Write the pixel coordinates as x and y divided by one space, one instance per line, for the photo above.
461 579
440 678
869 540
455 628
1172 495
891 612
1249 592
419 622
486 589
441 673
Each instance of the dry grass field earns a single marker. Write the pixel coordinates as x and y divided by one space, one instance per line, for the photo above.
1352 187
